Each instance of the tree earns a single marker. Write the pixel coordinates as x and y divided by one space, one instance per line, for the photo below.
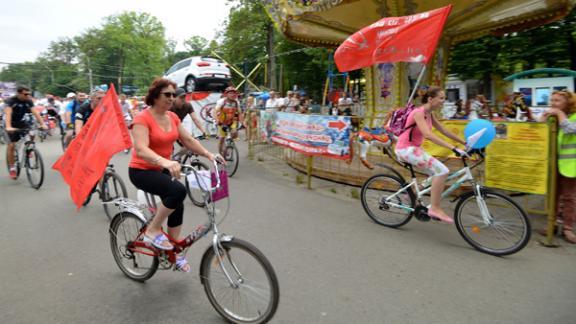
130 48
196 46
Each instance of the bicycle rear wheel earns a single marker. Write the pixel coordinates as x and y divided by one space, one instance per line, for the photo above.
124 229
232 158
507 232
34 167
374 194
195 194
112 187
253 295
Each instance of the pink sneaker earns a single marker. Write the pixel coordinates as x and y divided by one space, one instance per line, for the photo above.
13 173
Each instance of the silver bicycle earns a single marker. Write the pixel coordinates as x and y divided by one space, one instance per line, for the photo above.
489 221
238 279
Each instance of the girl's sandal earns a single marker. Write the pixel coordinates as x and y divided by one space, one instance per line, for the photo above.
182 264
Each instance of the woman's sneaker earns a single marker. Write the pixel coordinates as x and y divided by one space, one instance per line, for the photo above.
13 173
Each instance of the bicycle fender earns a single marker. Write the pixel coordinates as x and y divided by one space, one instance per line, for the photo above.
391 169
216 240
129 208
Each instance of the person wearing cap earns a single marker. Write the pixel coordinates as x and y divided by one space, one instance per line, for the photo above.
182 109
227 114
70 115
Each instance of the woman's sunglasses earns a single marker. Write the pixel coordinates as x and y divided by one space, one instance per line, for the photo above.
169 94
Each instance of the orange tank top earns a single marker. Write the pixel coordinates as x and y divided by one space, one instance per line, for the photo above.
160 141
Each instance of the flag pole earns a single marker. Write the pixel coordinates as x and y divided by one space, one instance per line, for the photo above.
416 85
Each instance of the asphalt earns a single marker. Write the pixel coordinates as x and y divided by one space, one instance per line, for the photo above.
333 263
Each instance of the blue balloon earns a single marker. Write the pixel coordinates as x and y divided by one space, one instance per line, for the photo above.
265 96
476 126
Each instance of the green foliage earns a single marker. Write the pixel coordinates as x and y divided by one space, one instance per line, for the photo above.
550 45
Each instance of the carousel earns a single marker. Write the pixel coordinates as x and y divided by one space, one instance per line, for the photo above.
327 23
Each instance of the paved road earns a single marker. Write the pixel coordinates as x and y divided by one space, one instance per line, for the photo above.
333 263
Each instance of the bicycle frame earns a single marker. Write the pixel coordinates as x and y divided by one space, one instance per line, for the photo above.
457 178
145 213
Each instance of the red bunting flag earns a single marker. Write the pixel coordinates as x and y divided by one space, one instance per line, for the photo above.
87 156
393 39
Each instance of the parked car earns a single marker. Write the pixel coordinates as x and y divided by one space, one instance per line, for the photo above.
199 73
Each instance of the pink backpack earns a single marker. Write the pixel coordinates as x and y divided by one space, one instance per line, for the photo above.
397 123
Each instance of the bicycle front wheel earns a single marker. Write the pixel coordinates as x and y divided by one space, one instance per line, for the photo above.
507 230
232 158
252 293
195 194
383 202
34 168
112 187
136 265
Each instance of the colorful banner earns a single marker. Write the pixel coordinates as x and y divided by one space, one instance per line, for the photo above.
309 134
517 160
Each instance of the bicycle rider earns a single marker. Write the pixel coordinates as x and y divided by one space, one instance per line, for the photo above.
228 115
408 148
154 131
86 110
70 114
182 109
16 109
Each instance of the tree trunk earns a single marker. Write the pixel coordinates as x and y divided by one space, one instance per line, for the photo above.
571 49
271 59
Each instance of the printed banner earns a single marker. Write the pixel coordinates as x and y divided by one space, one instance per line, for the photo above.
517 160
309 134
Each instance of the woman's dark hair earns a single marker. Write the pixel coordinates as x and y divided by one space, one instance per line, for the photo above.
432 92
155 89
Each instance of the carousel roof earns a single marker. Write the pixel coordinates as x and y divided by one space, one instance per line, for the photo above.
328 23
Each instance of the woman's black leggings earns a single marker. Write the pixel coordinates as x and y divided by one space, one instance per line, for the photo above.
160 183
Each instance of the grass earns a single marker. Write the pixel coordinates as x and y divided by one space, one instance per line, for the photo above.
354 193
260 158
299 179
333 190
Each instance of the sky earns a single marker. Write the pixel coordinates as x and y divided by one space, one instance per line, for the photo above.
28 26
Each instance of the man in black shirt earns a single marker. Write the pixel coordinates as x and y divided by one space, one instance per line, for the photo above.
86 110
182 108
16 109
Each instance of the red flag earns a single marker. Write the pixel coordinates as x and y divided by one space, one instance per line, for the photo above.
87 156
393 39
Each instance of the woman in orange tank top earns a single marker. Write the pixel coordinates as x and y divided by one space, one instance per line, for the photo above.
154 131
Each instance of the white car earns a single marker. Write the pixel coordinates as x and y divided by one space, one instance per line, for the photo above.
200 73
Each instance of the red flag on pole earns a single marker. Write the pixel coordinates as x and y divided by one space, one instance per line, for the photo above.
393 39
87 156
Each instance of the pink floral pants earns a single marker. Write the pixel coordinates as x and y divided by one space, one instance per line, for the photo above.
416 156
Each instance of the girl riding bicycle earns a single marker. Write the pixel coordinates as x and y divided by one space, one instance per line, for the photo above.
154 131
408 148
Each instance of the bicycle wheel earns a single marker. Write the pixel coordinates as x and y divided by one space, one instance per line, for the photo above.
374 193
195 194
34 167
124 229
111 187
232 158
253 295
507 232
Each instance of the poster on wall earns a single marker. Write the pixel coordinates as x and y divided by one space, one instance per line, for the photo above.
309 134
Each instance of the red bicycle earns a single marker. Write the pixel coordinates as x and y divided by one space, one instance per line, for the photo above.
238 279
